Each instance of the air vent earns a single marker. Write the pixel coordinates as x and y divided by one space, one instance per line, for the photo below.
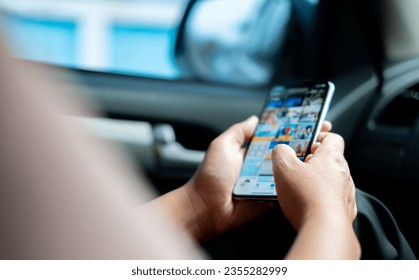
403 110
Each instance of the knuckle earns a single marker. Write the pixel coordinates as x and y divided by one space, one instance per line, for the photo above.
355 211
215 143
338 158
341 142
336 139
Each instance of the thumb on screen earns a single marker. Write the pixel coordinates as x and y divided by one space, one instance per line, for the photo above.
285 163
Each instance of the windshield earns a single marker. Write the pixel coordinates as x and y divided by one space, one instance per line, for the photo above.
234 41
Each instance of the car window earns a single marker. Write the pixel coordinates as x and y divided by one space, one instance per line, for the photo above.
117 36
234 41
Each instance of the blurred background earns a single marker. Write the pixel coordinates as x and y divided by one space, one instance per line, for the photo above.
169 76
223 41
127 36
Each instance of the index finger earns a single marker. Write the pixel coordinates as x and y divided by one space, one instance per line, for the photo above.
326 126
331 143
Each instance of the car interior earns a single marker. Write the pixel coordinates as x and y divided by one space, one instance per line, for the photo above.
165 122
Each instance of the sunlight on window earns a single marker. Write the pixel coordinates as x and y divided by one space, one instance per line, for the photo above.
134 37
223 41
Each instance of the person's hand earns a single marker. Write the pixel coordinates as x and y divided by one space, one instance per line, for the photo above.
212 185
204 206
321 186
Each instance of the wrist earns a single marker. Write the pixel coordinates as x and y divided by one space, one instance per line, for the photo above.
326 235
339 223
201 225
336 215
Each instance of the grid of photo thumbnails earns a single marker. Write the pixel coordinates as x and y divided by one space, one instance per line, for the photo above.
284 121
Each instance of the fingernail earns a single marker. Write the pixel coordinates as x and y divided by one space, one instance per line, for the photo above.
310 156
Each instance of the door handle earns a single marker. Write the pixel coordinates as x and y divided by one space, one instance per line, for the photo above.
171 153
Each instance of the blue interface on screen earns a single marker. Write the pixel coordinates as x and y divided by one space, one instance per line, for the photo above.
287 120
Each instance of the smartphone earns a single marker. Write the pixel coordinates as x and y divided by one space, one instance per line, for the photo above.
291 115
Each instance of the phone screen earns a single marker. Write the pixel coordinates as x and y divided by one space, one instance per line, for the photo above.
291 116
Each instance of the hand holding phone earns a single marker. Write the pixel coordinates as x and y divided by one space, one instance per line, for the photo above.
292 116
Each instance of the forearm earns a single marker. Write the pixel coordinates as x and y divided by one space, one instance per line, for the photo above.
325 237
186 211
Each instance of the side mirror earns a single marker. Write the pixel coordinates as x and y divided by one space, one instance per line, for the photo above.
236 42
